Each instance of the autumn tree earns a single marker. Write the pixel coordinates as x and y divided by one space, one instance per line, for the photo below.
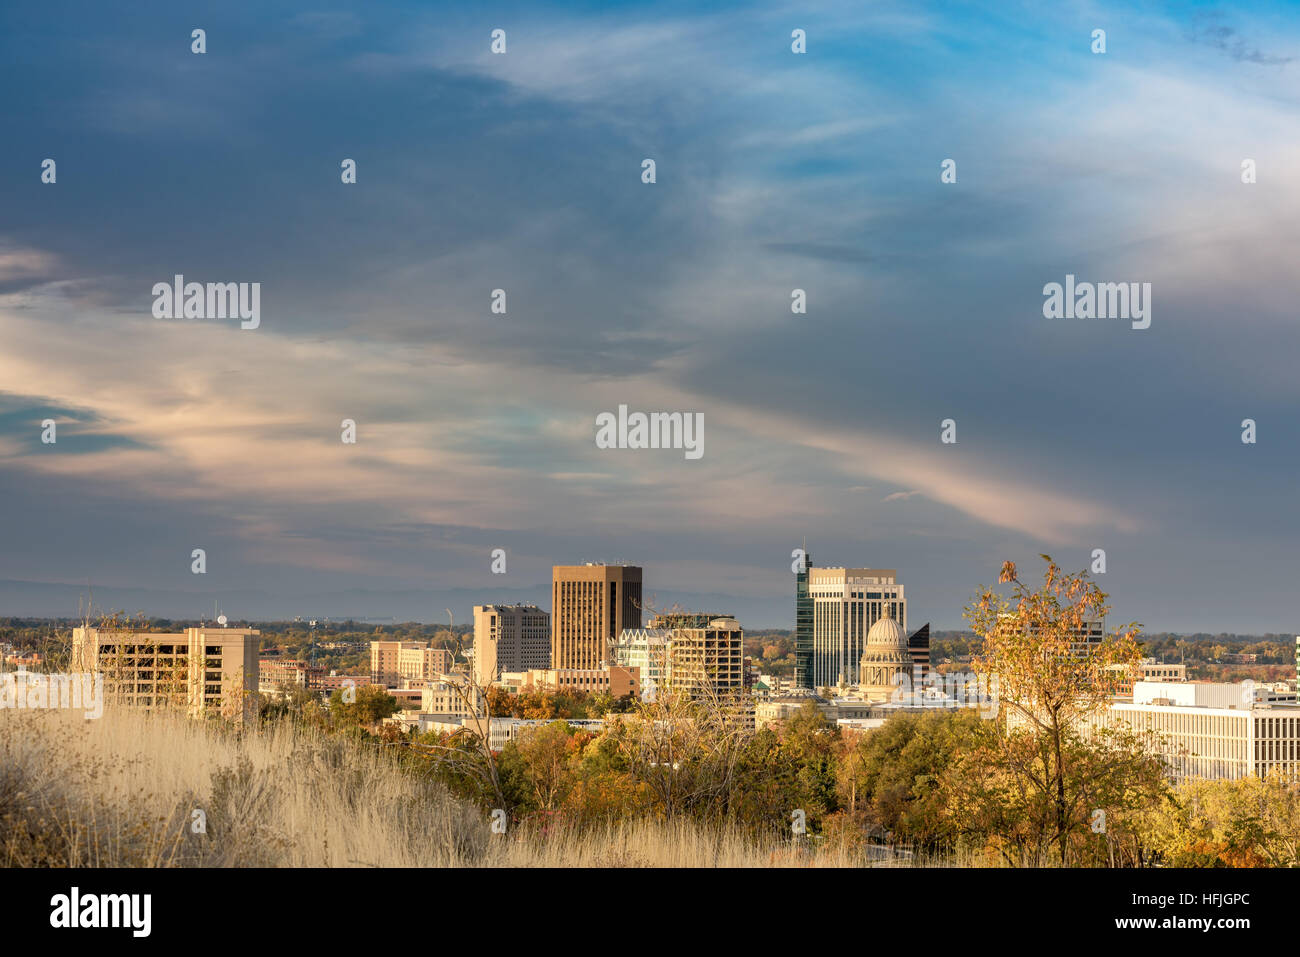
1049 677
1250 822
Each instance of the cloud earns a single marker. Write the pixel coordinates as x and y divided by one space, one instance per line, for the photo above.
900 496
23 263
776 172
1209 28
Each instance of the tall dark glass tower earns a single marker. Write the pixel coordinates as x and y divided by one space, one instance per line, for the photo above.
803 626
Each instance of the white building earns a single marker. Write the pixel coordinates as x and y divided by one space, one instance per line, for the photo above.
422 722
1213 729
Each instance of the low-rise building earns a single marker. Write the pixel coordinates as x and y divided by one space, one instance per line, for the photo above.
329 683
776 686
1147 670
391 661
863 713
453 694
24 660
277 675
615 680
408 699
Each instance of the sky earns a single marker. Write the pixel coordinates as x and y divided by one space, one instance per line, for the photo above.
522 171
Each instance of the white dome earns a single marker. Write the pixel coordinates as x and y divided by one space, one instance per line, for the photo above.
886 633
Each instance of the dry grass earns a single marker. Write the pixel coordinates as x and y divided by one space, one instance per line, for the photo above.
121 791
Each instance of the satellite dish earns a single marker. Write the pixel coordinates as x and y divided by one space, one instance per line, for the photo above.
221 620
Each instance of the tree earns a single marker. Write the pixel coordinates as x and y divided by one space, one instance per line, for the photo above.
1047 679
545 753
1000 794
1250 822
892 779
811 743
371 706
684 749
467 753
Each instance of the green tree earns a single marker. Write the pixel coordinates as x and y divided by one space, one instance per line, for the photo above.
891 779
372 705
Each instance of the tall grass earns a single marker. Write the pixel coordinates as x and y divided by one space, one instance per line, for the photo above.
122 791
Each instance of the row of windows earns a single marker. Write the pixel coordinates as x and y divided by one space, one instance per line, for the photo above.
1277 727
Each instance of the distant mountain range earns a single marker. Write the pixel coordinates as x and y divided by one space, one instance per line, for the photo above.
56 600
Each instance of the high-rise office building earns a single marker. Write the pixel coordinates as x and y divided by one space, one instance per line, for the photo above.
803 625
835 609
510 638
591 604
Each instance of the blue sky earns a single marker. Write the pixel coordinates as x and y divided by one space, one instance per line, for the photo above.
774 171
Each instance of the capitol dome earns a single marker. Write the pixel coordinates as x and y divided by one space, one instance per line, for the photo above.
886 662
887 633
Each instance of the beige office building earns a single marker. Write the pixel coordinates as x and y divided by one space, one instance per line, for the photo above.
510 638
205 670
590 606
391 661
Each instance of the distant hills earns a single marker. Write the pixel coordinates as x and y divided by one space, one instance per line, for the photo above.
56 600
